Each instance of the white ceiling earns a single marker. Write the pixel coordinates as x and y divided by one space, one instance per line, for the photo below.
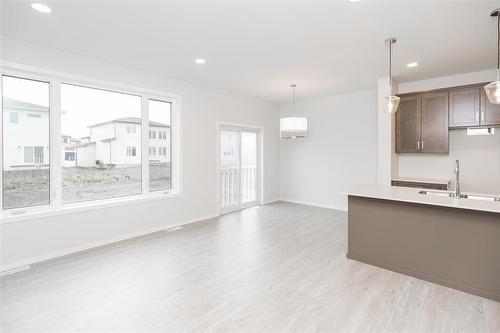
259 48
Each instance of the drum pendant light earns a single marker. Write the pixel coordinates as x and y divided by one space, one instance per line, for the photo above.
293 127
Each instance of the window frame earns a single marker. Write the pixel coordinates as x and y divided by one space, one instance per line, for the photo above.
69 153
11 114
132 152
131 129
56 207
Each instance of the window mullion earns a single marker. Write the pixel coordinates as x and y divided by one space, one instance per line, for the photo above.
1 147
174 147
145 144
240 170
55 144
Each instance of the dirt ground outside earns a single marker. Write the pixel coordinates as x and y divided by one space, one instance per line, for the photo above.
24 188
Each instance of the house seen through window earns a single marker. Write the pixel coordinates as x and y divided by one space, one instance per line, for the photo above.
101 143
26 162
159 164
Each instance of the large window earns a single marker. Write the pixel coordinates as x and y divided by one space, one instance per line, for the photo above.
131 151
131 129
69 156
99 134
159 164
13 117
108 163
26 166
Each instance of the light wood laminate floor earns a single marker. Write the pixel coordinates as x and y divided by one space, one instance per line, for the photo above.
280 267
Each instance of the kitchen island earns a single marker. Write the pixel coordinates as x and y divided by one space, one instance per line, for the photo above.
442 239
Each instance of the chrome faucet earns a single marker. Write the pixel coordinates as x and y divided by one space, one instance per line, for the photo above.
456 173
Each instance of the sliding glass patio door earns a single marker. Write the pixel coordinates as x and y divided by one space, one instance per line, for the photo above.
239 171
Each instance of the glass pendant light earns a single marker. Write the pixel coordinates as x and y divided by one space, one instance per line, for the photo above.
493 89
293 127
391 101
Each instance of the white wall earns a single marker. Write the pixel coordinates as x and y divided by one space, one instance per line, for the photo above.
448 81
387 162
479 156
339 152
479 162
26 241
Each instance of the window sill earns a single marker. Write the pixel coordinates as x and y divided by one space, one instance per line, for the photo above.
30 213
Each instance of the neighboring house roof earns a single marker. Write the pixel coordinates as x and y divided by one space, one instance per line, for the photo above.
130 120
81 145
15 104
72 139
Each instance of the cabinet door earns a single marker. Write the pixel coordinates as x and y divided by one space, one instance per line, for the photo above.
464 107
435 123
408 125
490 113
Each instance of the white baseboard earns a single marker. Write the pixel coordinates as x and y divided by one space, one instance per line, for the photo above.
267 202
315 205
94 245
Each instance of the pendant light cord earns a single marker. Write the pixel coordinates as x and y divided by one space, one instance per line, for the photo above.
498 46
390 64
293 97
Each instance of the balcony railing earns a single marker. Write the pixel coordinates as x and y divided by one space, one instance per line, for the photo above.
249 183
230 193
38 159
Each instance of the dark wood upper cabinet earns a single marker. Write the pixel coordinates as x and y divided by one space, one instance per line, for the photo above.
423 119
464 107
435 134
470 107
490 113
422 123
408 124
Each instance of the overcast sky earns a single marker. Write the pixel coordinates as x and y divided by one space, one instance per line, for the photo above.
84 106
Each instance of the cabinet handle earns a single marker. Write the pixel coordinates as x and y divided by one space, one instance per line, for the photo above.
422 144
418 145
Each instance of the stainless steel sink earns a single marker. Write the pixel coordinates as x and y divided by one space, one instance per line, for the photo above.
463 196
480 197
438 194
456 193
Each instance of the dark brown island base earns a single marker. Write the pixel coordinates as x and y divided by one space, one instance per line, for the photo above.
452 246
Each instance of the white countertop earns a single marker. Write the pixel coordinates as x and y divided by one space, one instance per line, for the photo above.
406 194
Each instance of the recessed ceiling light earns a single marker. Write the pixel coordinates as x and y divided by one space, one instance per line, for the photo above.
412 64
200 61
41 8
353 0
